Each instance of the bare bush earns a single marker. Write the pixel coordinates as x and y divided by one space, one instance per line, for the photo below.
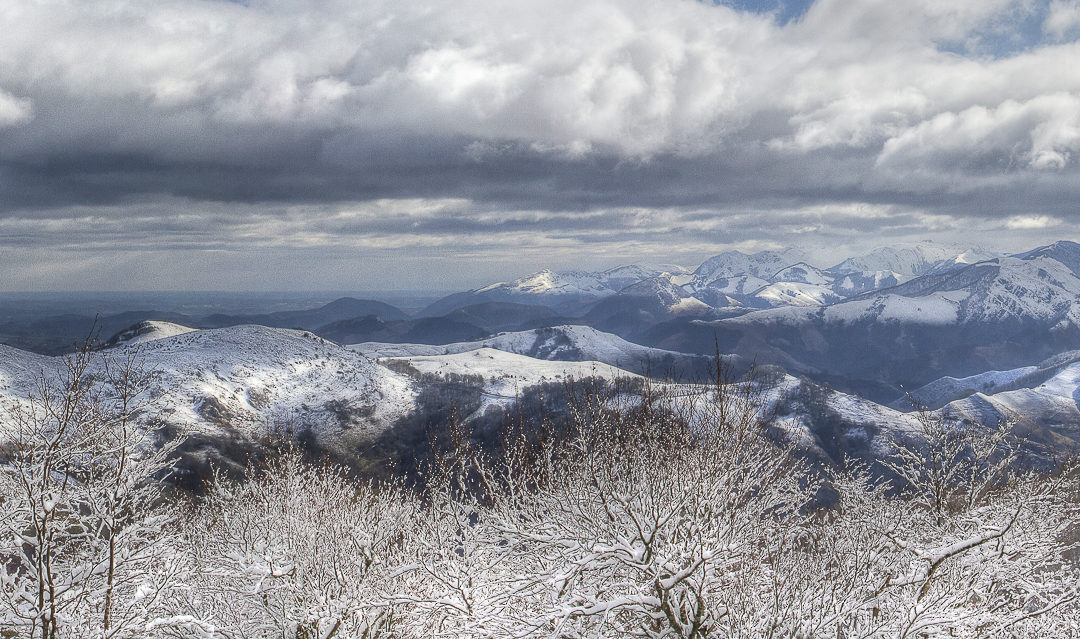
653 510
87 551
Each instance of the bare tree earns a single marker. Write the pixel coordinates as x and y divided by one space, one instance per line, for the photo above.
298 552
86 552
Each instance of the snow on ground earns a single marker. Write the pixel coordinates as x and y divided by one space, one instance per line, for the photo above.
511 370
19 369
689 305
890 424
1040 288
253 378
19 373
946 389
802 273
797 294
737 285
548 282
555 343
149 331
863 412
939 308
506 375
1055 402
907 260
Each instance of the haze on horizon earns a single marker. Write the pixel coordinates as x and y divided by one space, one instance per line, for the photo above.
437 145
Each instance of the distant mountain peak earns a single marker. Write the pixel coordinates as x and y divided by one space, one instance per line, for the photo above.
1065 251
803 273
733 263
912 260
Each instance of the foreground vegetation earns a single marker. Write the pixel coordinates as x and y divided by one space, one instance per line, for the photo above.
649 513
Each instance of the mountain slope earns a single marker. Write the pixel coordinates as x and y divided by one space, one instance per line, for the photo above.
911 261
563 290
561 343
146 331
761 265
247 381
310 319
507 374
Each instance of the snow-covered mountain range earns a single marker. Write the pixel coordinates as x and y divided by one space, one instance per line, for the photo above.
728 280
976 335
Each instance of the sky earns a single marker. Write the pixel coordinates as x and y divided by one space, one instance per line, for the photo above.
444 144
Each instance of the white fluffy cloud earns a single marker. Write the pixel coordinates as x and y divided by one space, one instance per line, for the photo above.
1041 134
1062 18
631 77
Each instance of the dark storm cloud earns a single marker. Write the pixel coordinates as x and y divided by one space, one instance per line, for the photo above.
468 128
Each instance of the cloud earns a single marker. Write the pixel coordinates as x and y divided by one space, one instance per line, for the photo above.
1062 18
1025 222
1038 134
289 125
14 110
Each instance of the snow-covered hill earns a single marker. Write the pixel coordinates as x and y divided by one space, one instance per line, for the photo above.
724 282
147 331
550 283
252 377
506 375
947 389
551 288
1042 396
1049 409
661 293
1032 287
733 287
796 294
20 369
620 277
562 343
802 273
250 380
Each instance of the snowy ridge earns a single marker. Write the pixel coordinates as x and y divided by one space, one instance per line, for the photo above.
761 265
506 375
1037 287
669 296
620 277
548 282
250 379
946 389
796 294
252 375
1047 394
1040 288
1054 403
878 426
802 273
581 283
148 331
732 279
911 261
734 286
565 343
